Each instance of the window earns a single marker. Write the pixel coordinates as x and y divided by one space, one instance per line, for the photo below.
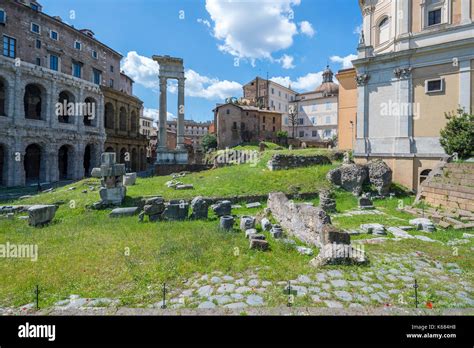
313 120
435 85
94 54
111 83
286 120
97 75
273 120
301 108
77 69
54 35
314 134
234 126
9 47
384 30
3 17
34 7
263 127
279 106
434 17
263 119
301 134
111 68
38 43
227 111
78 45
279 93
53 62
328 119
328 106
273 91
35 28
38 61
300 121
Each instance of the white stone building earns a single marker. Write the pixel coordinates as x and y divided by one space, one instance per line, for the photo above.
316 112
415 63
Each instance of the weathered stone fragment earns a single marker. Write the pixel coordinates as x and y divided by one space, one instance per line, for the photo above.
259 244
200 208
266 224
247 222
122 212
176 210
226 222
222 208
380 175
40 215
326 201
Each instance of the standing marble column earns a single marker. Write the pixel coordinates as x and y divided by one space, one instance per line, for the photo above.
163 113
180 126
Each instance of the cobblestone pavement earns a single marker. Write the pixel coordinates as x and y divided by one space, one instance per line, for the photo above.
387 282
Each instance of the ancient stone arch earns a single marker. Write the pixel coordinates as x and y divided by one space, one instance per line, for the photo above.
33 163
34 101
109 116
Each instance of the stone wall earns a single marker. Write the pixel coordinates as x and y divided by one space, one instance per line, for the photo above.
450 187
279 161
301 220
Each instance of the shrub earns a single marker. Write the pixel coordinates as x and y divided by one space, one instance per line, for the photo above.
458 135
209 141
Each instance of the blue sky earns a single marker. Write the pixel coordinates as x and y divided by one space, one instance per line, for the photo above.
292 40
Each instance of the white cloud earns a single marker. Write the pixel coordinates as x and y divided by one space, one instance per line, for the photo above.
346 61
144 71
204 22
286 61
304 83
306 28
154 114
210 88
253 29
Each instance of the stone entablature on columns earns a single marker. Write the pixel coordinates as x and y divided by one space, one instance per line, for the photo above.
171 68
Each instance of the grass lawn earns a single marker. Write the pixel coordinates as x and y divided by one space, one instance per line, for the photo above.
85 252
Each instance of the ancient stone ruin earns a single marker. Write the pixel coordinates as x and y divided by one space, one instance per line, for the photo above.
352 177
327 201
112 191
313 226
281 161
40 215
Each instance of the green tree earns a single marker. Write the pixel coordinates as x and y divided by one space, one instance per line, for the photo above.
209 141
458 135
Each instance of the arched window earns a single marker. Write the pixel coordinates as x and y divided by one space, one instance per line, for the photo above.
90 111
2 98
63 112
109 116
424 175
383 30
32 102
123 119
133 122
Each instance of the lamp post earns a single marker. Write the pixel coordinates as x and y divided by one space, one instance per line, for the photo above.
352 134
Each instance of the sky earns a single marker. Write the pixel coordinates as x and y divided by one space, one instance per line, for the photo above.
224 43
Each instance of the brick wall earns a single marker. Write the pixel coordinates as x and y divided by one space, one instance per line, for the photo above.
452 189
